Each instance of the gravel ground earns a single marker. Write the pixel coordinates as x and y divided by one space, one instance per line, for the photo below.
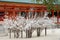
52 34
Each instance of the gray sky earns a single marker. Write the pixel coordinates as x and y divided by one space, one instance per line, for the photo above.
18 0
28 1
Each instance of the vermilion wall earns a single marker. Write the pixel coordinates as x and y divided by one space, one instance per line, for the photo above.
10 7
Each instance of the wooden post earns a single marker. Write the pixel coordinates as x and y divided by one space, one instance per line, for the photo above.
26 33
31 32
14 34
45 31
18 33
21 34
52 13
38 32
57 16
9 33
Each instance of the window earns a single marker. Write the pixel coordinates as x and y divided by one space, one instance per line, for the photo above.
1 16
55 14
23 14
1 13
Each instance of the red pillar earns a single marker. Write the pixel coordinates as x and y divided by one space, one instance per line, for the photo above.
52 13
57 16
26 14
10 14
14 14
